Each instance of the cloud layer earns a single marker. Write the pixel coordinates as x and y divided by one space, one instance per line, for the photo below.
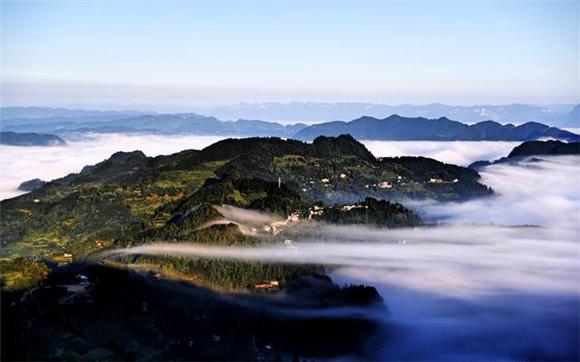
460 153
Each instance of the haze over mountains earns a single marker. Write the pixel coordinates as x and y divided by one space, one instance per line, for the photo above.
393 127
62 122
558 115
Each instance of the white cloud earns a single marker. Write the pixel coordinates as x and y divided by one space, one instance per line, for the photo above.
460 153
546 193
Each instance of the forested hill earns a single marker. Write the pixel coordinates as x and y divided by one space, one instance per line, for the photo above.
397 128
330 169
533 148
130 199
550 147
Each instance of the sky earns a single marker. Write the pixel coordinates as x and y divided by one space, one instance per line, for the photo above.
103 53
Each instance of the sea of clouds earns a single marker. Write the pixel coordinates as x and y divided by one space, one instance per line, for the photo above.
461 153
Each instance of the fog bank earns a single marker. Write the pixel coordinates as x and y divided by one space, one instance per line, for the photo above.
545 193
461 153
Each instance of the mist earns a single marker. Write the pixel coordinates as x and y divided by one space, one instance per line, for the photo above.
545 193
493 278
461 153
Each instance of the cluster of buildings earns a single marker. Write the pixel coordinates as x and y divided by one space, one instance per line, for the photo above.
433 180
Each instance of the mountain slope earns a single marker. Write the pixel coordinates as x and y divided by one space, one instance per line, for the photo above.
130 198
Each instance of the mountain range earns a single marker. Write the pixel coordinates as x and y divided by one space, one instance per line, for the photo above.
526 150
558 115
394 127
397 128
190 123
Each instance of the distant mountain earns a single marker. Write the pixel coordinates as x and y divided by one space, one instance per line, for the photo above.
534 148
30 139
570 119
154 123
556 115
62 121
31 185
397 128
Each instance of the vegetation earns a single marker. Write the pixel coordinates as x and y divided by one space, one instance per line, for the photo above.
120 315
370 212
533 148
130 199
551 147
20 273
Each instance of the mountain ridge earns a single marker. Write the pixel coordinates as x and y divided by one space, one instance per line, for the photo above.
398 128
533 148
61 122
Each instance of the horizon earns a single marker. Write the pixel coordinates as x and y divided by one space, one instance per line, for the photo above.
173 109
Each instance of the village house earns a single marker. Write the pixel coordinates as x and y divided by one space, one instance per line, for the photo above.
315 210
350 207
385 185
271 284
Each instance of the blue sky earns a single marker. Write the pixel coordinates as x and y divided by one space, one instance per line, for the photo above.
211 52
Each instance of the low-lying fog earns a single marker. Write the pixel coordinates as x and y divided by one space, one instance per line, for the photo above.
483 285
461 153
20 164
